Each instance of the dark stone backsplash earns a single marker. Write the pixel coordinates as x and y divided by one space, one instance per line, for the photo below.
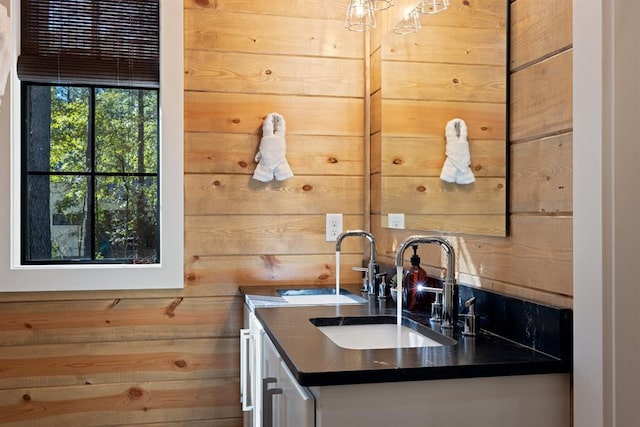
541 327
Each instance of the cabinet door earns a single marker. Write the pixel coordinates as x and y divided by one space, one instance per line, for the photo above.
251 371
271 393
270 358
286 403
298 405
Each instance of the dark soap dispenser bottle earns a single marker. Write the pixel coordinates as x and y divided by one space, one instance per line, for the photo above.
417 299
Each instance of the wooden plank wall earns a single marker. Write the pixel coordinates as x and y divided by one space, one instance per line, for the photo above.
535 260
243 61
170 358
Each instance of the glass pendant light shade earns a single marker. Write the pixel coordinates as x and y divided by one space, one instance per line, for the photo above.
430 7
409 24
382 4
360 16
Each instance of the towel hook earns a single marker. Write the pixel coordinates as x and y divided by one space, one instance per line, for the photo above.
457 127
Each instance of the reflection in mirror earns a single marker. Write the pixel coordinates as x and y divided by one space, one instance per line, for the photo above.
454 67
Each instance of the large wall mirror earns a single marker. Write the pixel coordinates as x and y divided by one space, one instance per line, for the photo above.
454 67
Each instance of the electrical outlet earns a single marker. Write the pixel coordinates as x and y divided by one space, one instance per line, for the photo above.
333 226
395 220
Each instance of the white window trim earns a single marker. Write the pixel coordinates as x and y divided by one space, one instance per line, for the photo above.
169 272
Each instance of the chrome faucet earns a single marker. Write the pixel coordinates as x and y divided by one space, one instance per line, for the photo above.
448 290
371 273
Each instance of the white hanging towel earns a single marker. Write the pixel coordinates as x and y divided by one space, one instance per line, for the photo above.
456 166
273 147
5 49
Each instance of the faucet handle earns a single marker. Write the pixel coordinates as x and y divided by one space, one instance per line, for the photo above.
436 309
470 318
471 305
436 306
365 278
383 289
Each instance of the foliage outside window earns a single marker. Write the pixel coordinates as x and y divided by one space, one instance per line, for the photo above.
90 167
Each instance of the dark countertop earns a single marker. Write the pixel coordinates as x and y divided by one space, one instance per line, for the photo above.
315 360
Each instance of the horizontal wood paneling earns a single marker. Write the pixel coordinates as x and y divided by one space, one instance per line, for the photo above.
485 14
210 29
539 29
244 113
537 254
53 365
450 82
123 404
458 223
306 154
425 157
542 175
431 195
119 320
239 194
321 9
272 74
541 98
262 234
488 46
231 271
423 119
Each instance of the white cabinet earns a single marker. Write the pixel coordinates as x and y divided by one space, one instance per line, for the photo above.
270 395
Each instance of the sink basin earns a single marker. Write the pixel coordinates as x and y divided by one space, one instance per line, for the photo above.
319 296
378 332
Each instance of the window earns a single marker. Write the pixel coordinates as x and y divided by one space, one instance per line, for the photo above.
90 174
113 203
90 152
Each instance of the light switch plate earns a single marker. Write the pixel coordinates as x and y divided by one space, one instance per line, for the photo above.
395 220
333 226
